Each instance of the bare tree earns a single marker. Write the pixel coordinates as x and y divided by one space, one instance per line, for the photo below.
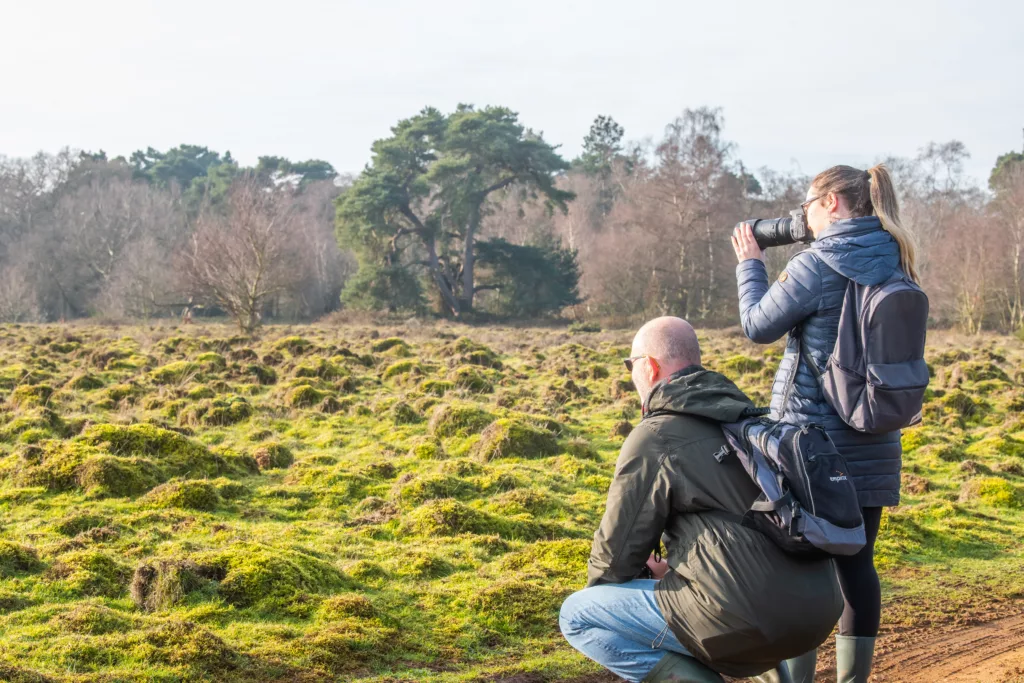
241 257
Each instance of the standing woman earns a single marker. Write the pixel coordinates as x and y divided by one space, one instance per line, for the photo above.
854 217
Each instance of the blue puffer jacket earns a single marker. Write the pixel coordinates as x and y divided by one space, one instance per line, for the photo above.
806 301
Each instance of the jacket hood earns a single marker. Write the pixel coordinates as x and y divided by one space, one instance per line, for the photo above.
859 249
700 392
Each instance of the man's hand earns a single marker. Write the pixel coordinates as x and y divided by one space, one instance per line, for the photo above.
658 569
744 244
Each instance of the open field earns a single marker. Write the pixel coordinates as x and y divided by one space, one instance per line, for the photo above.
404 503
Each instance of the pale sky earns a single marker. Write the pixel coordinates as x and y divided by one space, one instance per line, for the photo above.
803 85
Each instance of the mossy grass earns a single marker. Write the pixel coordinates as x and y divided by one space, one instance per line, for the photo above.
343 525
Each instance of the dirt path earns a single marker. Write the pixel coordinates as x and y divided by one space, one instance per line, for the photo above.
992 651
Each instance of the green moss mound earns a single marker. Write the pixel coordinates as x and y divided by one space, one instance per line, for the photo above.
402 368
29 395
177 372
741 365
92 620
436 387
264 375
344 606
273 456
16 558
469 378
85 382
433 486
993 491
458 419
174 453
90 572
512 438
304 396
185 644
212 361
320 368
256 572
83 521
404 414
106 475
517 602
218 412
165 583
187 495
395 346
294 345
564 557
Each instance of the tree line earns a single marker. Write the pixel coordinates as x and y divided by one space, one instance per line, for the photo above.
467 215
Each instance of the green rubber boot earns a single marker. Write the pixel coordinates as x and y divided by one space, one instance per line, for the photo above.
779 674
679 669
801 668
853 659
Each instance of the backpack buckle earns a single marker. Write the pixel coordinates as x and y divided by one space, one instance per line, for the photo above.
722 453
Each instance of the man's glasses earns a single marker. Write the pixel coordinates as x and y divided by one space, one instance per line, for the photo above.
628 362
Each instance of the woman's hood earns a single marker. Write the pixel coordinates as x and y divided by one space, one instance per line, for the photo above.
859 249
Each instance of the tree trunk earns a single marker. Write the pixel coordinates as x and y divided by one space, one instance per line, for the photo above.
442 284
469 260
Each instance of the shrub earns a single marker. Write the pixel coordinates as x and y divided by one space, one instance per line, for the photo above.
512 438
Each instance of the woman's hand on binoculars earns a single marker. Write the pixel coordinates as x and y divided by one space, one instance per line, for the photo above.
744 244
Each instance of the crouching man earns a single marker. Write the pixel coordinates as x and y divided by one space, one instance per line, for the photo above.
725 599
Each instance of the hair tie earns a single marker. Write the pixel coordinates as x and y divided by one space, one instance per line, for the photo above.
868 174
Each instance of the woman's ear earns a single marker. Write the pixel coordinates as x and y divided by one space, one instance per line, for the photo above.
832 202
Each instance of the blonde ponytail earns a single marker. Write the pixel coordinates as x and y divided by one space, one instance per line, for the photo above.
887 208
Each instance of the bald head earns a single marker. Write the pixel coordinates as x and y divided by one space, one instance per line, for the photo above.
671 342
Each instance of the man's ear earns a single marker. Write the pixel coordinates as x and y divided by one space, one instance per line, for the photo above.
653 370
833 202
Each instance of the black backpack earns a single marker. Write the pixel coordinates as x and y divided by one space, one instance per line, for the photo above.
876 376
808 504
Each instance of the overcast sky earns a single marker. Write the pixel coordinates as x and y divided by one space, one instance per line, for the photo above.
803 85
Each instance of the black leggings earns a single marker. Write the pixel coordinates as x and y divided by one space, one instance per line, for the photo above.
859 581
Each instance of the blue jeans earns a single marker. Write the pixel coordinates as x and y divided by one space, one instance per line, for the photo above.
619 626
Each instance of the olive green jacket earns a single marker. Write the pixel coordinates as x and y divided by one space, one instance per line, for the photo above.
731 596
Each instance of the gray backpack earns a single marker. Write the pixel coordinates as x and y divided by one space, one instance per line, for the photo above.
876 376
808 504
